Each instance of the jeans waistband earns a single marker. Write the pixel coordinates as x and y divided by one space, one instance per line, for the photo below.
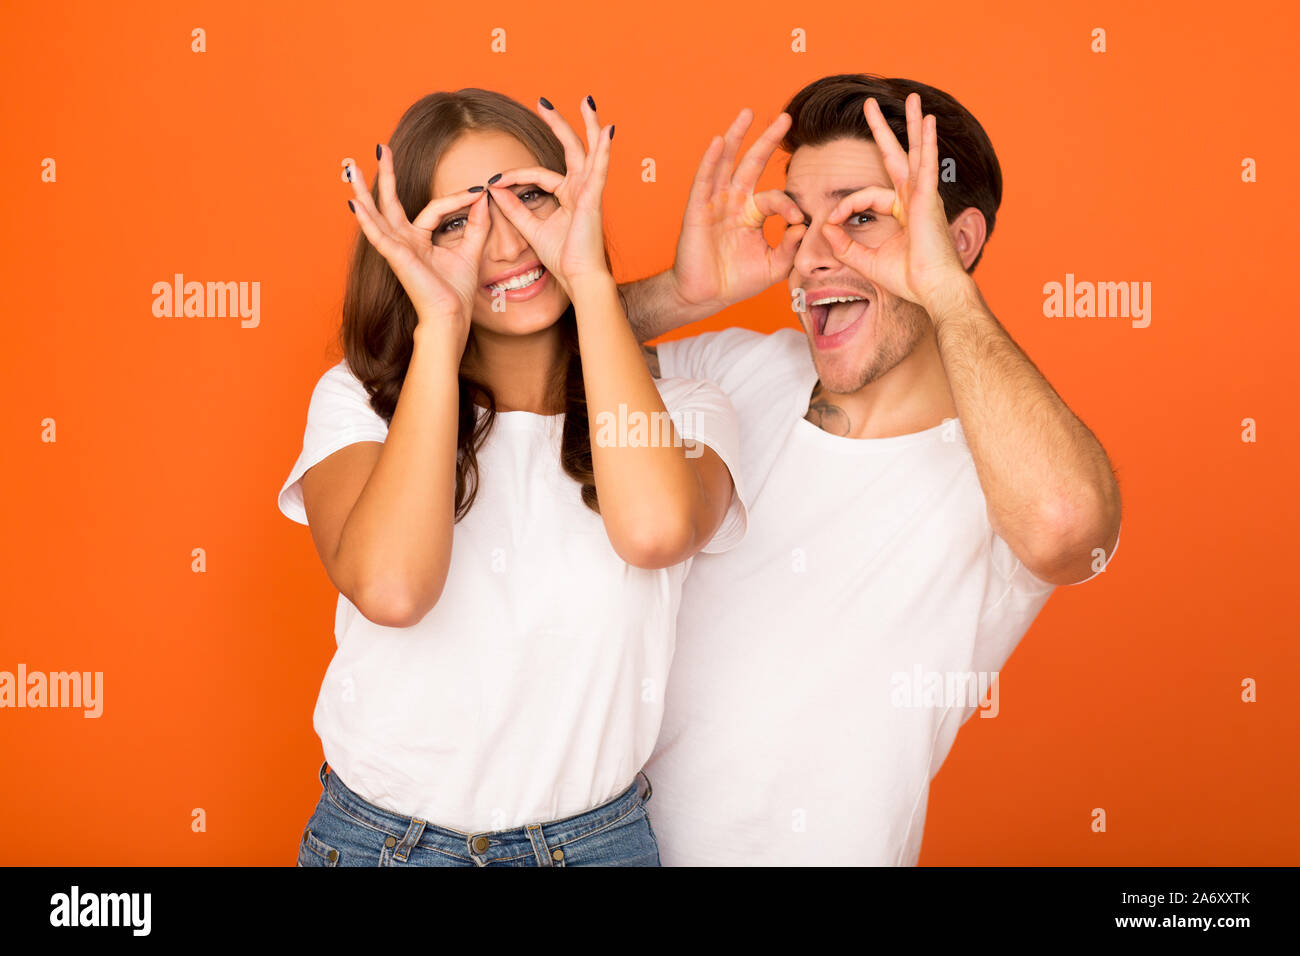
539 839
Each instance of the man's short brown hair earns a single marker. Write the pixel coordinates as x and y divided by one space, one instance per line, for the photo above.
831 108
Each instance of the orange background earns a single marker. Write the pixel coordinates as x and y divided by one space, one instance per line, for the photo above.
177 433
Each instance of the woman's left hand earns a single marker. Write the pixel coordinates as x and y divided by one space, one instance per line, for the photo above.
570 241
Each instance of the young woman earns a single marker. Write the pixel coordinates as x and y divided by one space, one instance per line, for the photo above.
507 536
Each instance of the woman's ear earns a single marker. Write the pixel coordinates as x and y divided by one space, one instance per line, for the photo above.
968 232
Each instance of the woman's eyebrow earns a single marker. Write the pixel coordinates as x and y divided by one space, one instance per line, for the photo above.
514 187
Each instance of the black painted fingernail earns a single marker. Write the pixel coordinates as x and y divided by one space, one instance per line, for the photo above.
379 151
611 132
494 179
475 189
348 171
352 207
591 103
547 104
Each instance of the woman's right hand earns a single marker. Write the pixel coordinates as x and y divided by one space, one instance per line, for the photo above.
442 282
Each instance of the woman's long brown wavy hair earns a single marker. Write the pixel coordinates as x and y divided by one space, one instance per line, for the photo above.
379 320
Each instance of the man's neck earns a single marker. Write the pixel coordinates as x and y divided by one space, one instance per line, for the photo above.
911 397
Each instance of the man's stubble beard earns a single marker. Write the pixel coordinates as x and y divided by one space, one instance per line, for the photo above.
904 325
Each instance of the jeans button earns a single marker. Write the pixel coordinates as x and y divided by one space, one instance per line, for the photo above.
334 856
390 842
480 844
557 856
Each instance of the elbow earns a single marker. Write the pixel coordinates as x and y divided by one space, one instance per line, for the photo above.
1074 536
655 543
388 603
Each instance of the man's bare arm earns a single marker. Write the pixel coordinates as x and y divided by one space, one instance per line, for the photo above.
654 307
1051 493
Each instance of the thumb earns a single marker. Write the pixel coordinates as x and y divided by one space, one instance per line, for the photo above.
476 230
783 254
520 216
856 256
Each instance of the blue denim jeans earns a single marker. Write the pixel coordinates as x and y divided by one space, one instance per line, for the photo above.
345 830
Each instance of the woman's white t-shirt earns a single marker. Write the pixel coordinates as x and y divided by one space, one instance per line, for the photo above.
534 689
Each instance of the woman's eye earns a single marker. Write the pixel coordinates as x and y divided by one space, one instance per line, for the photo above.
531 197
451 225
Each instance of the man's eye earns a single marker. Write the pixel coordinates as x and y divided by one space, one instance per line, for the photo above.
863 218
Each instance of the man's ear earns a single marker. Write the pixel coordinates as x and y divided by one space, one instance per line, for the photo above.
968 232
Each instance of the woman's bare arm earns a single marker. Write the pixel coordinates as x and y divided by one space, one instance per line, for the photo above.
381 513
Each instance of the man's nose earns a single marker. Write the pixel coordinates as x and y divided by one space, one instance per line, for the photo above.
814 252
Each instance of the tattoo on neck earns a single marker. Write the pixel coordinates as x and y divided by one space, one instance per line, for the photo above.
826 415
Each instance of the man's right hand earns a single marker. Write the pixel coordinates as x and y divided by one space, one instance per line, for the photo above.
722 255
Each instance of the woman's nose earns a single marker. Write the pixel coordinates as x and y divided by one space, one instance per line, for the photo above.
504 240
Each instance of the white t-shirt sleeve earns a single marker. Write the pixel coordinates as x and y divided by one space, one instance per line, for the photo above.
1022 579
713 356
701 412
338 415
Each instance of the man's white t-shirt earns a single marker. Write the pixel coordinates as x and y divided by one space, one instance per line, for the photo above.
533 690
818 682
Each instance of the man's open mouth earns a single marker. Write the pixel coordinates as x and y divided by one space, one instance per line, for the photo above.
835 313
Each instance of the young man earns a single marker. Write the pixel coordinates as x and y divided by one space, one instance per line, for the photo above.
916 488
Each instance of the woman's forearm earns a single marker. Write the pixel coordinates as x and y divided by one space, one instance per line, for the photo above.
651 494
396 542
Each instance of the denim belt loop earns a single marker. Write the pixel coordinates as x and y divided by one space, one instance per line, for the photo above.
408 842
538 840
648 788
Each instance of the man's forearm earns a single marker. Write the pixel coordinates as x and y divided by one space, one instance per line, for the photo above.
654 307
1048 482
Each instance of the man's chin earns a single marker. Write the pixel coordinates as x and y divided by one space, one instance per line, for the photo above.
841 369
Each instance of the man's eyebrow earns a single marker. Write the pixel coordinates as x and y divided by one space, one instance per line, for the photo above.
835 194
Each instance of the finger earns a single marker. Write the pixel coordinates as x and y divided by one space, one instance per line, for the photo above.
868 199
542 176
777 202
574 153
376 229
756 157
594 186
913 109
587 108
702 186
476 229
855 255
891 152
361 198
783 254
520 216
928 171
731 146
430 215
389 205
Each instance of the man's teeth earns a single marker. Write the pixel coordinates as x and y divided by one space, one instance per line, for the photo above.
518 282
831 300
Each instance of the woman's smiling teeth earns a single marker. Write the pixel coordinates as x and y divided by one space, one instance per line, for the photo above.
521 281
